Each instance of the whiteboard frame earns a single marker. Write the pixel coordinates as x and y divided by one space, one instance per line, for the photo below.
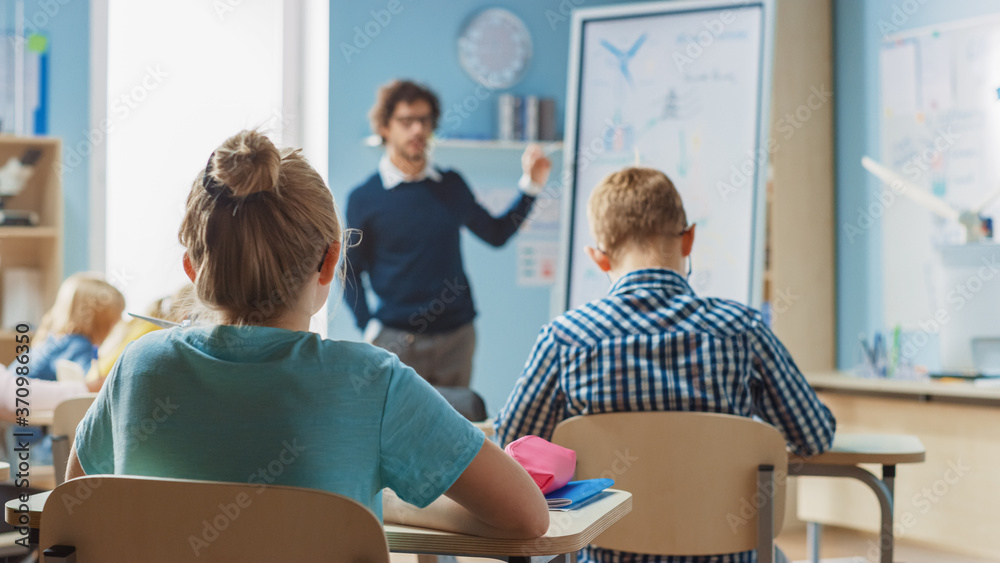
561 291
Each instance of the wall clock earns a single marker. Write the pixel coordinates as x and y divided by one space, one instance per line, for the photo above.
494 48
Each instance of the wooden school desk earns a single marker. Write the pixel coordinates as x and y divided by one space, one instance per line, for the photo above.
568 531
949 500
844 459
40 418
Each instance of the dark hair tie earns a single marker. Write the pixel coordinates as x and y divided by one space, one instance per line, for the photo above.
214 187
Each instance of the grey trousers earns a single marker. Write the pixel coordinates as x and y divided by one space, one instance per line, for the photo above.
443 359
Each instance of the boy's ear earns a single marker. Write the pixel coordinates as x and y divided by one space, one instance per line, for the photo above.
188 267
687 241
599 258
326 275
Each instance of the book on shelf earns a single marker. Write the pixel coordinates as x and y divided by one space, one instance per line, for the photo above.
526 118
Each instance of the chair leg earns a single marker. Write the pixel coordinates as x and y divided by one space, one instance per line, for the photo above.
765 514
814 532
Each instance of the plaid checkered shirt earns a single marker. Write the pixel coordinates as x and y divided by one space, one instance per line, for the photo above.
653 345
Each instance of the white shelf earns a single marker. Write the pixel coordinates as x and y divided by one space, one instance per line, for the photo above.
548 146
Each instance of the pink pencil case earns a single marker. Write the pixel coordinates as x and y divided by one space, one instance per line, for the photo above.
550 466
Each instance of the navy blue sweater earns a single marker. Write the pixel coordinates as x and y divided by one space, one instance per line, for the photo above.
410 248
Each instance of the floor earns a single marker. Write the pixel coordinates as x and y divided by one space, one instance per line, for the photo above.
838 546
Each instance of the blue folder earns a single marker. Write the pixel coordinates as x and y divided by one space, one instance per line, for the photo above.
576 493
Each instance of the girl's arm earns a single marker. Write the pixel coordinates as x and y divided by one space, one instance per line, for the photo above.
494 497
73 467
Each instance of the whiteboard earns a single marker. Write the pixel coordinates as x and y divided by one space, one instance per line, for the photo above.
939 114
683 87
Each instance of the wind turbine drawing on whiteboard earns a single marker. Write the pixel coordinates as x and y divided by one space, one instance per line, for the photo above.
624 58
971 219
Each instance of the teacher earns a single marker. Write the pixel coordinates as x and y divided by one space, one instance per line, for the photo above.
410 214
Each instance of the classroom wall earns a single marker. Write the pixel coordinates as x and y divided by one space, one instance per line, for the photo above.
405 48
858 31
420 43
67 25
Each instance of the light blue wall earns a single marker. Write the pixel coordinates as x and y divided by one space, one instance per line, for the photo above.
420 43
67 25
859 26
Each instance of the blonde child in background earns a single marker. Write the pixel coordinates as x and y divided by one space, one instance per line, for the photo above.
174 308
85 311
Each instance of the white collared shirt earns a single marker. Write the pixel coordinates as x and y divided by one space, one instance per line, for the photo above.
393 176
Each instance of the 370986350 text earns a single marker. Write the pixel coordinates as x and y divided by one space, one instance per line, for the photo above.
22 349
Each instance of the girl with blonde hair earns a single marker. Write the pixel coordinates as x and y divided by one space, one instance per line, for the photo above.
174 308
85 311
255 397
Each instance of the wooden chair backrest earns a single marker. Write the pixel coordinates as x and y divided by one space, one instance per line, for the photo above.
65 418
125 518
68 414
693 477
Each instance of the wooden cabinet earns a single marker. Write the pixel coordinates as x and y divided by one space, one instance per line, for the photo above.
39 247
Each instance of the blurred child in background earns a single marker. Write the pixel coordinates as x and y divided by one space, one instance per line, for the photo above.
174 308
85 311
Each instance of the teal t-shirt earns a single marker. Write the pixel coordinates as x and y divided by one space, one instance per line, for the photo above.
266 405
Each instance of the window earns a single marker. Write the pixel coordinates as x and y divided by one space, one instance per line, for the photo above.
181 76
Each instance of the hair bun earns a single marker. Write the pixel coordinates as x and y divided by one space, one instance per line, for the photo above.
248 163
